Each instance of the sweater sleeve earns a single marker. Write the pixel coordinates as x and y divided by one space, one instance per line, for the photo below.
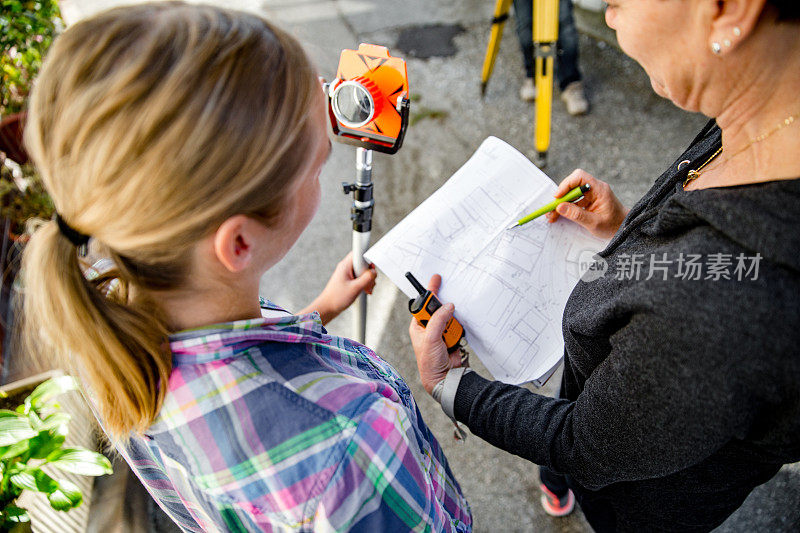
662 400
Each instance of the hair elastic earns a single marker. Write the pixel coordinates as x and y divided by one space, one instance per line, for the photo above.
74 236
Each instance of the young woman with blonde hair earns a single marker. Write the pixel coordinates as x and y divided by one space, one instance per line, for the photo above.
186 142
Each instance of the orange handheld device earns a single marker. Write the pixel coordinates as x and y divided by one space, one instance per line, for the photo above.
424 305
368 102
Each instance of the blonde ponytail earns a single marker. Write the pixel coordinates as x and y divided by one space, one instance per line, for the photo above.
66 312
150 125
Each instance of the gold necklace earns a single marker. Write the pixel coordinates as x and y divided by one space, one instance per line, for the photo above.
694 174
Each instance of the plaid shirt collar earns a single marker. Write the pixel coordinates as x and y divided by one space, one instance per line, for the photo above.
220 341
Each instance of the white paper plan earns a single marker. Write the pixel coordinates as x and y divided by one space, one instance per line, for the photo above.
509 286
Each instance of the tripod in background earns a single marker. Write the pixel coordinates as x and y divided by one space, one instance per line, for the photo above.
545 35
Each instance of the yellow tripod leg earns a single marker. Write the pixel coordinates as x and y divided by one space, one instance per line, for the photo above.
544 107
499 20
545 35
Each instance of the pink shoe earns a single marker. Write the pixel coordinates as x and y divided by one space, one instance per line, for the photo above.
555 506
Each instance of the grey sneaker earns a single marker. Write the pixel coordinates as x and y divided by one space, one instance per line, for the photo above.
527 92
575 99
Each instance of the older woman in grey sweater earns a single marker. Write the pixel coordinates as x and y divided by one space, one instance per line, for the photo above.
681 386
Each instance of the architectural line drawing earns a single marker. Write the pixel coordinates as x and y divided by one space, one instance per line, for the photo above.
509 286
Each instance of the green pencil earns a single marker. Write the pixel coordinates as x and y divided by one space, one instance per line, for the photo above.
571 196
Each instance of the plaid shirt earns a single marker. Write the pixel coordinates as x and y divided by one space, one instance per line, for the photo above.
272 424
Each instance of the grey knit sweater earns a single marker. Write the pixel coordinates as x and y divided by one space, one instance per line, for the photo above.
680 395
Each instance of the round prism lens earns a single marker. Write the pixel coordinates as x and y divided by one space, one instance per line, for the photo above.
352 104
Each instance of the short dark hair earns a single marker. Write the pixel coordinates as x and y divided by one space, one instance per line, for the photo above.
787 9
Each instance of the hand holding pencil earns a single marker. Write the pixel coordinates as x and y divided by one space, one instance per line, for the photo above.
572 196
599 211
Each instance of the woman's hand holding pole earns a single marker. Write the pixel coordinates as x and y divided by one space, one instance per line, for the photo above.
342 289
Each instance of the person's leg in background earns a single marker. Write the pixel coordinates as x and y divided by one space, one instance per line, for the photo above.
569 76
523 13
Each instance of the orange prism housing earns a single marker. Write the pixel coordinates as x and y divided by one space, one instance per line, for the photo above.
386 79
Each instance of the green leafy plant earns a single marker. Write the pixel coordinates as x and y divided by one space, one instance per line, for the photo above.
27 28
32 436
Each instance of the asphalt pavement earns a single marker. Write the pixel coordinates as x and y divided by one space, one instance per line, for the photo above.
628 138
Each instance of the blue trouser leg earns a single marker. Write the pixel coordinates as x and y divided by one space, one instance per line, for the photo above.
523 13
567 64
566 49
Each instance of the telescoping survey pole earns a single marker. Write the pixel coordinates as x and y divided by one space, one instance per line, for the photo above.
545 35
368 106
361 214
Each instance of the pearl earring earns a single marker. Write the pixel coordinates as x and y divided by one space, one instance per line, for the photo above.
716 48
726 43
737 31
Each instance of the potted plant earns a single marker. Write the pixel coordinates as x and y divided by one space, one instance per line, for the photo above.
33 454
27 28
